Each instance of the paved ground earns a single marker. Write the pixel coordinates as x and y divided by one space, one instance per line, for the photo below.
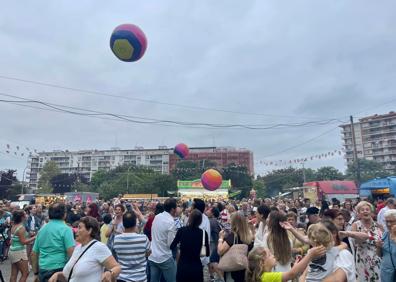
5 268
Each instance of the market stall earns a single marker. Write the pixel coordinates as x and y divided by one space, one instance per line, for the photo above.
194 189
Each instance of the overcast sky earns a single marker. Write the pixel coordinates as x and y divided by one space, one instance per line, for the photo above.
250 62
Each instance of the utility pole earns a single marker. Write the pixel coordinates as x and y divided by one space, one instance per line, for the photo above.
128 179
355 154
303 169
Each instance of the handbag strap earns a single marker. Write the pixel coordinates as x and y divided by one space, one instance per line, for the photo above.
71 270
236 239
203 237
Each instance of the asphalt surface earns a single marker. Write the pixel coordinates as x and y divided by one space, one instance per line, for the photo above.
5 268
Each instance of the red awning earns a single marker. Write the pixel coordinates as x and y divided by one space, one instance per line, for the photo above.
338 187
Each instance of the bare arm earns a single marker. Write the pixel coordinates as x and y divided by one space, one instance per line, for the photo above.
57 276
222 246
302 265
337 276
114 269
35 267
22 238
69 252
302 238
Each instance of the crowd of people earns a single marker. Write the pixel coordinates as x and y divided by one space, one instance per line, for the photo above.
266 240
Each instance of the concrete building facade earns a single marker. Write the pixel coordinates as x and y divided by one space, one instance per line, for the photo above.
162 160
375 140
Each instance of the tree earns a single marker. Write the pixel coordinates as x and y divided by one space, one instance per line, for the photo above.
189 170
49 170
277 180
9 185
240 178
328 173
368 170
131 180
164 183
260 187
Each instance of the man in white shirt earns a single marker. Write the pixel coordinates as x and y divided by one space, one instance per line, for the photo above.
390 204
163 232
199 204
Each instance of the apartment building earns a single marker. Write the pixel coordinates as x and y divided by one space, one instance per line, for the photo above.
375 140
162 160
87 162
222 156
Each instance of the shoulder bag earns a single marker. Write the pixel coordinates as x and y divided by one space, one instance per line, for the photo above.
235 258
203 247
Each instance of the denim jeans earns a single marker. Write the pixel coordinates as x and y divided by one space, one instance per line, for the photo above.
167 269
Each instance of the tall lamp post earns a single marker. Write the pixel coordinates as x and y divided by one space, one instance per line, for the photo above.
23 179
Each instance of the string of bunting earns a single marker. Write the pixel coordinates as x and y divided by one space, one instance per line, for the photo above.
327 155
18 150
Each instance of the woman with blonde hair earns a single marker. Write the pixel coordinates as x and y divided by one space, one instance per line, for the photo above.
366 232
240 234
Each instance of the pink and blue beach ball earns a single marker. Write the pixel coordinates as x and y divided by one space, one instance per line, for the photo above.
128 42
181 150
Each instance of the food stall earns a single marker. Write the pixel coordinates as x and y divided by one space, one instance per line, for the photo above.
194 189
48 199
81 197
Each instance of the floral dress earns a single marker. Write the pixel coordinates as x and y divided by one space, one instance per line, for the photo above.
367 262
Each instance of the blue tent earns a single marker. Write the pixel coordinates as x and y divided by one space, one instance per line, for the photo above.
377 186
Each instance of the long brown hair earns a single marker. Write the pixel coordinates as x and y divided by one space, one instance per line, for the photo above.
278 238
240 227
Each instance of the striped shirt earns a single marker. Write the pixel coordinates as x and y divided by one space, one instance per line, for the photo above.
131 249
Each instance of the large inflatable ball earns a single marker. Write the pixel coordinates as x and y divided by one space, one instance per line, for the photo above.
128 42
181 150
211 179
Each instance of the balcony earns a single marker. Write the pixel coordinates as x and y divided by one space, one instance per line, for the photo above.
379 132
379 124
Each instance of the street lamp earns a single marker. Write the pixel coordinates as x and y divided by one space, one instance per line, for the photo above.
23 179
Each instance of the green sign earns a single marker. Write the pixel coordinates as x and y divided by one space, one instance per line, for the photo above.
191 184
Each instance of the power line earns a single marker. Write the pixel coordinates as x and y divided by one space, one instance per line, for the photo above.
145 120
105 94
301 144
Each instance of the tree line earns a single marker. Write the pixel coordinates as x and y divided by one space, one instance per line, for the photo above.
142 180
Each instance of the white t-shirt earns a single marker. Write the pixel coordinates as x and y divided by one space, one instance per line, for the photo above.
90 266
346 262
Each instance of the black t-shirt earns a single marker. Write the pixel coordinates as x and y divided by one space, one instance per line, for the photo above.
230 241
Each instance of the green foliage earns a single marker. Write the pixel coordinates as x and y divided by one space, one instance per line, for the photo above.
260 187
9 184
240 178
80 187
368 170
49 170
277 181
131 180
189 170
328 173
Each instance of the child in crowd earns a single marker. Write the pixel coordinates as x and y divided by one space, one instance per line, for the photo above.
262 261
322 266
